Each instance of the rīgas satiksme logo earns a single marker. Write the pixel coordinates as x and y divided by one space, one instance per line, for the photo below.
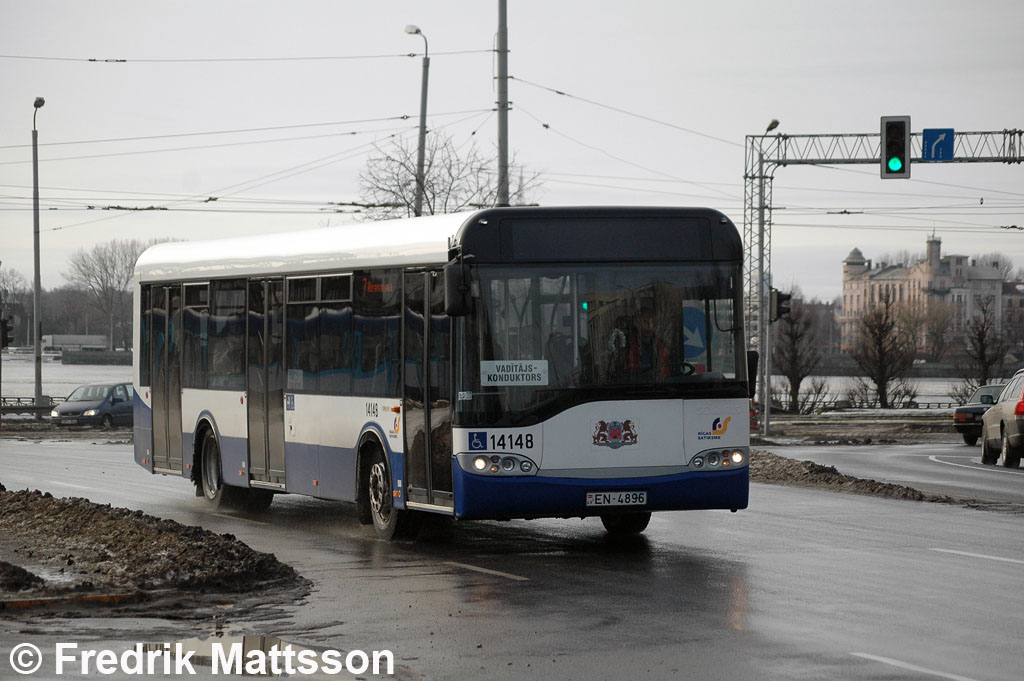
718 428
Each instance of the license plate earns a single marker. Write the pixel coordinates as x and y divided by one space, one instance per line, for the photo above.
616 498
69 422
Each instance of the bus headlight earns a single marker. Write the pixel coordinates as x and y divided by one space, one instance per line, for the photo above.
495 465
718 459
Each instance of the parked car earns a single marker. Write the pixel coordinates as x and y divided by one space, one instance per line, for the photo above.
98 404
1002 426
967 417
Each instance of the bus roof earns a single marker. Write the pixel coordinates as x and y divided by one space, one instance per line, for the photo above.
406 242
510 234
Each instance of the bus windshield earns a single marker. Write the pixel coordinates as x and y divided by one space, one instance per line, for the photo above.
545 337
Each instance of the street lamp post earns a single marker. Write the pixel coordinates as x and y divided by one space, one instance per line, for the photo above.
421 152
37 291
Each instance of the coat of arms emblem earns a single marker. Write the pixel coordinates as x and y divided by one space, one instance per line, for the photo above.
614 434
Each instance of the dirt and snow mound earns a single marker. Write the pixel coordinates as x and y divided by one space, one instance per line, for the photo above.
14 578
82 546
774 469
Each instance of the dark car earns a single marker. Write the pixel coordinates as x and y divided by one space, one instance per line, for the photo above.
967 417
1002 426
99 404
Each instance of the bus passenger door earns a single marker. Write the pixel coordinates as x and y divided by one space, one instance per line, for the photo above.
265 382
427 386
166 373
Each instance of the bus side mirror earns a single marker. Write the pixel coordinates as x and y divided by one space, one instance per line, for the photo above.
457 302
752 359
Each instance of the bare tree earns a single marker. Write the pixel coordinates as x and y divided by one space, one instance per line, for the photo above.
913 320
902 258
884 351
454 179
1000 261
104 273
984 344
795 353
15 299
939 329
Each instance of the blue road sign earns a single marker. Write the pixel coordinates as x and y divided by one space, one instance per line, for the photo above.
695 340
937 144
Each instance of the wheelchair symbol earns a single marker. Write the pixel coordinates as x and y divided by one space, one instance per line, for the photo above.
477 441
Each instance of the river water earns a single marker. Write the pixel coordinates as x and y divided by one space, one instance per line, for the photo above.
60 379
19 378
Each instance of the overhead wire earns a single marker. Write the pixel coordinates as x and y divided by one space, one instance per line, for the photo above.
211 60
592 147
625 112
269 178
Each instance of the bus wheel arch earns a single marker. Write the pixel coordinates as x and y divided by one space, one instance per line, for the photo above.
208 475
369 444
376 497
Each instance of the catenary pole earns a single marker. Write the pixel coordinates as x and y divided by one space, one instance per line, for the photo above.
503 198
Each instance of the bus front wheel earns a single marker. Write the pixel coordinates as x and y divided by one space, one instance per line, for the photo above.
626 524
388 521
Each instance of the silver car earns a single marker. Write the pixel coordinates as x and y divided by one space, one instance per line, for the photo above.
1002 428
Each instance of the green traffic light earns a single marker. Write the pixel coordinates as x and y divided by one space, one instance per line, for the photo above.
895 164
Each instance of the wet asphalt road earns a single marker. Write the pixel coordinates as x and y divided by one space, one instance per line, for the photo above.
803 585
952 468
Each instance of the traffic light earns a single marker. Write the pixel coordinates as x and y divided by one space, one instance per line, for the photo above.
5 332
895 148
779 304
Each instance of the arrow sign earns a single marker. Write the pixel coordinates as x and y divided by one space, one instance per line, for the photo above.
937 145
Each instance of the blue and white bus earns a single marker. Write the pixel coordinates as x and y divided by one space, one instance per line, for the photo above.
506 363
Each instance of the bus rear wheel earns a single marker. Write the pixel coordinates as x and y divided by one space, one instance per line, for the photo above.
626 524
388 521
214 491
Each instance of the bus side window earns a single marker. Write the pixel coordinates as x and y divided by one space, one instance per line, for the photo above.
226 335
377 306
145 335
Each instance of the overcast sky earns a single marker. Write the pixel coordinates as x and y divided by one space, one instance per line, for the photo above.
288 134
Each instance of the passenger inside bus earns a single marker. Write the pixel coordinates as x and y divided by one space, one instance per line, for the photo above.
648 354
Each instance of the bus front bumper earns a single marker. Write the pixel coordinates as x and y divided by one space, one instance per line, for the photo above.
481 497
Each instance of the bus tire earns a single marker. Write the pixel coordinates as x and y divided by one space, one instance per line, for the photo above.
626 524
389 522
212 489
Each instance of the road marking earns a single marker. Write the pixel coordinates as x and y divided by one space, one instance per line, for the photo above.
981 555
980 467
68 484
912 667
487 572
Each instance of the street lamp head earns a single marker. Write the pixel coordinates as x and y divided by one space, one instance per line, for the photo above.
39 102
771 126
413 30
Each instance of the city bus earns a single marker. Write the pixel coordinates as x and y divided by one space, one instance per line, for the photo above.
507 363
